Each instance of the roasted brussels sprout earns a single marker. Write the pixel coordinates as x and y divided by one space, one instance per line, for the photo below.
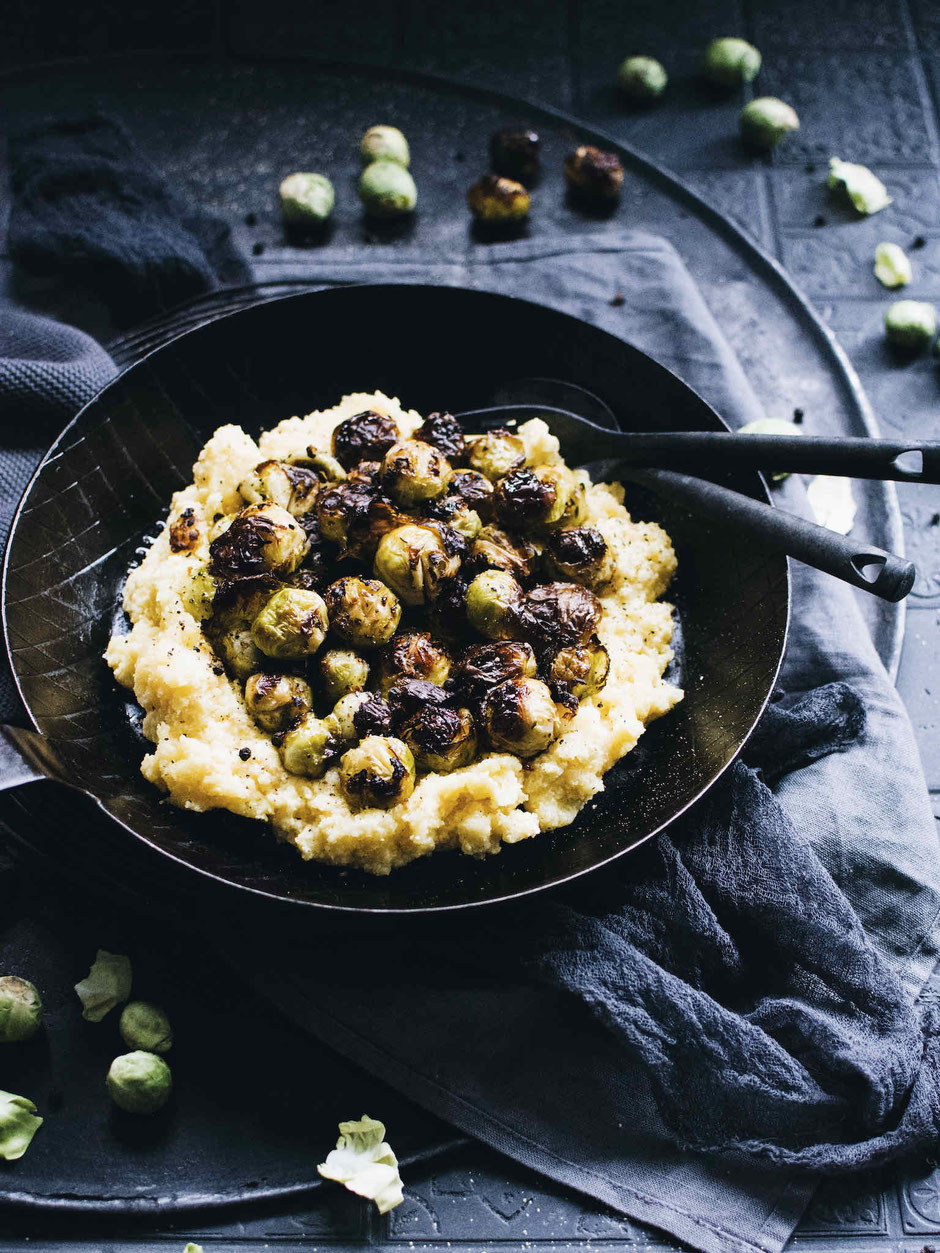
365 436
492 600
262 539
409 696
276 700
366 472
447 613
384 143
556 615
363 612
514 153
579 554
538 499
292 624
476 490
484 666
493 549
414 472
441 739
520 717
593 175
323 464
309 747
642 79
358 714
495 454
356 515
342 671
378 773
306 199
232 641
446 434
414 655
910 324
387 190
199 595
765 121
314 571
20 1009
139 1082
582 668
453 511
413 560
184 532
293 487
496 199
729 62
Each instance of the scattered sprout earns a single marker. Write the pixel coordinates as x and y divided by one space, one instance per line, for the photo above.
495 198
765 121
642 78
729 62
106 985
538 498
892 267
262 539
358 714
867 193
20 1009
772 426
910 324
387 190
831 500
145 1026
18 1124
484 666
365 1164
378 773
192 1248
594 175
413 655
139 1082
384 143
306 199
514 153
199 595
446 434
365 436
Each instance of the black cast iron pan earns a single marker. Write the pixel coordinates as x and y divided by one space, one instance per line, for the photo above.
106 483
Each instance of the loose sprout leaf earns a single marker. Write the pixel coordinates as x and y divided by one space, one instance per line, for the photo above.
771 426
365 1164
107 984
892 267
866 191
830 497
18 1124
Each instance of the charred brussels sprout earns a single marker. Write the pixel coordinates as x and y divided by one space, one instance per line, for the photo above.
199 595
476 490
366 436
387 190
496 453
184 532
582 668
139 1082
414 472
520 717
765 121
262 539
409 696
729 62
358 714
579 553
292 624
556 615
642 79
484 666
492 600
496 199
455 512
593 175
413 560
274 701
384 143
309 748
355 515
323 464
494 549
514 153
293 487
378 773
414 655
538 499
441 739
342 671
446 434
306 199
363 612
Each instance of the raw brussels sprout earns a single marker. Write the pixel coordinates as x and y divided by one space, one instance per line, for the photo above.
514 153
387 190
413 560
20 1009
414 472
492 600
384 143
583 668
362 612
365 436
18 1124
145 1027
866 192
539 498
309 747
262 539
520 717
892 266
414 655
494 198
292 624
642 78
409 696
306 199
441 739
274 701
484 666
140 1082
765 121
198 597
494 549
495 454
293 487
476 490
579 554
910 324
730 62
342 671
556 615
446 434
593 175
358 714
378 773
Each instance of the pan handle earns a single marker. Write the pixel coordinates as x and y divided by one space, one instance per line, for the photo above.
25 757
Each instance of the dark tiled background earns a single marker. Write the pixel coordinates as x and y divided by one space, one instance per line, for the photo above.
864 76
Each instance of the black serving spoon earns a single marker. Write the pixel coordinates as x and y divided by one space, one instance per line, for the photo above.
633 455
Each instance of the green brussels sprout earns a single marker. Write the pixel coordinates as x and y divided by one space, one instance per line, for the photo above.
454 511
293 487
198 595
730 62
539 498
642 78
308 748
866 192
262 539
292 624
235 647
514 153
362 612
414 655
139 1082
582 668
358 714
441 739
579 554
276 700
892 266
494 549
146 1027
20 1009
414 472
492 598
378 773
18 1124
593 175
342 671
476 489
910 324
765 121
413 560
324 465
306 199
496 453
484 666
365 436
494 198
387 190
384 143
520 717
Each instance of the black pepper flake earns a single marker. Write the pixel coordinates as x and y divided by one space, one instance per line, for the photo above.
798 416
819 220
618 300
460 156
251 219
935 520
257 249
217 669
244 753
918 241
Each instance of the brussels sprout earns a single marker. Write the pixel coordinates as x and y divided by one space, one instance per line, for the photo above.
441 739
20 1009
594 175
476 490
520 717
309 747
484 666
262 539
730 62
446 434
493 549
453 510
198 596
358 714
366 472
384 143
892 266
579 554
293 487
765 121
387 190
306 199
342 671
184 532
414 472
538 499
363 612
229 628
772 426
910 324
447 613
556 615
495 454
292 624
356 515
323 464
583 668
514 153
409 696
18 1124
235 647
365 436
378 773
492 599
413 560
866 192
139 1082
642 78
414 655
146 1027
496 199
276 700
